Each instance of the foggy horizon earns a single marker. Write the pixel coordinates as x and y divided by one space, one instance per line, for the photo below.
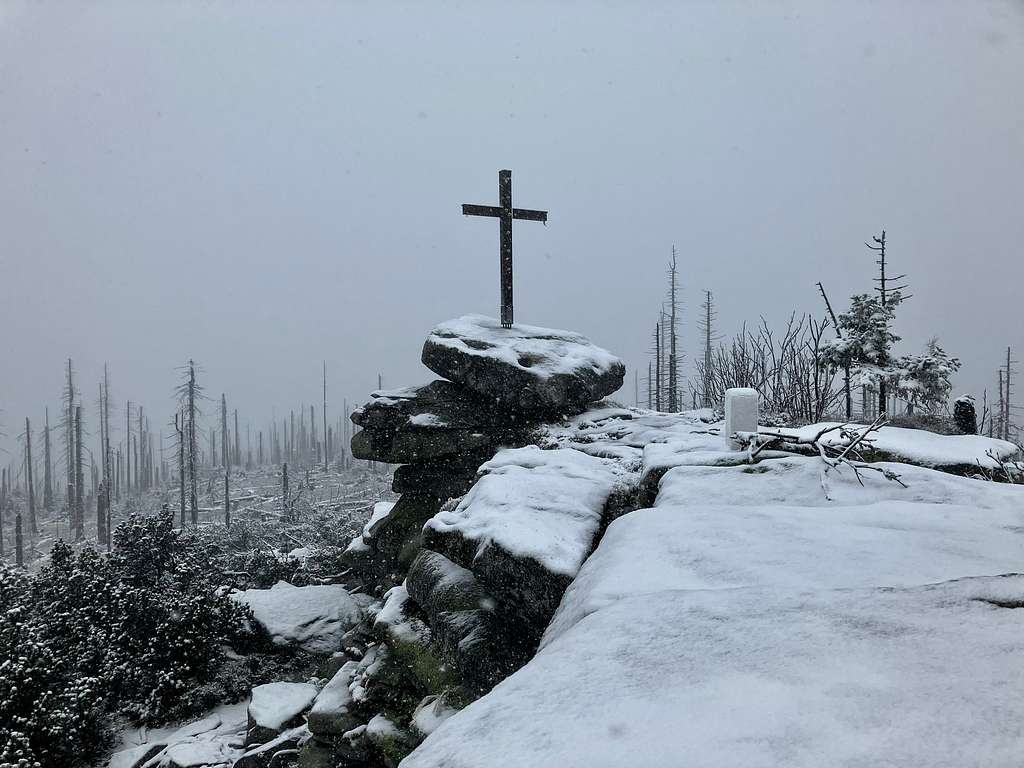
265 191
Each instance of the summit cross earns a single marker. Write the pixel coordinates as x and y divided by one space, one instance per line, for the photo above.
504 212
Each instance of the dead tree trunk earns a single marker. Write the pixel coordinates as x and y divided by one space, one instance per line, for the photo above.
19 542
225 458
179 429
69 434
33 525
101 518
673 372
47 467
194 495
285 506
327 442
657 366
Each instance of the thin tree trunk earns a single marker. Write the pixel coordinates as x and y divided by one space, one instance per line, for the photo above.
33 526
327 448
226 458
47 468
19 542
179 428
194 495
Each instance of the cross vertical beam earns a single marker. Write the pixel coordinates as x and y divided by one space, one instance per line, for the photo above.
505 202
505 213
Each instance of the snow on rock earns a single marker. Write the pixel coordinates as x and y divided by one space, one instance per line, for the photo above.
381 510
770 523
767 614
532 504
313 617
529 369
752 678
430 713
287 743
274 705
214 740
331 713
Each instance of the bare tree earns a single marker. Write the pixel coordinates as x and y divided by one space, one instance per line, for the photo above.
783 368
32 523
79 471
179 431
707 327
47 467
69 437
673 331
885 289
327 447
225 458
189 394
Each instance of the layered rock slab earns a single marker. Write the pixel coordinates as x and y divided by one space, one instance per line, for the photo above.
527 525
425 423
524 369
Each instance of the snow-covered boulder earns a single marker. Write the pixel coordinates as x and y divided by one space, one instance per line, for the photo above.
277 707
331 714
525 369
313 618
526 526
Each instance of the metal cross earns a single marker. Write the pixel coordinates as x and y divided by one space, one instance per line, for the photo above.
504 212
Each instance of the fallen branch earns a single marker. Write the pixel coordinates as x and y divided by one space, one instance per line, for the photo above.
834 456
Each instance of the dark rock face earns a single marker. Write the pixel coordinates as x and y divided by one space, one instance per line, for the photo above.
525 587
446 478
466 621
533 372
392 544
420 424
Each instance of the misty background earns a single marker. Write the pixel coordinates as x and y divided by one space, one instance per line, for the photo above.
262 187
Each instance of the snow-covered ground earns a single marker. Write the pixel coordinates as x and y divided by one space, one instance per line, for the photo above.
772 615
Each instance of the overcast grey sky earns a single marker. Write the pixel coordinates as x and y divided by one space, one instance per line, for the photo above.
261 186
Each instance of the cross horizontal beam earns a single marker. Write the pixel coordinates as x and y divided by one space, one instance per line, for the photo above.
496 212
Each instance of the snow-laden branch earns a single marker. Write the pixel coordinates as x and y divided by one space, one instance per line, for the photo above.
835 454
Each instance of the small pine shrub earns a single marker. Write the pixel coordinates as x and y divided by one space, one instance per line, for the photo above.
134 633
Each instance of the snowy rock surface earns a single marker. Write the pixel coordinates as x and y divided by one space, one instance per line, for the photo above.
215 740
523 368
331 713
276 705
770 614
533 504
759 678
313 618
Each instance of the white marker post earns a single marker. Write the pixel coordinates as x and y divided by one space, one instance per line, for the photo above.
740 413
